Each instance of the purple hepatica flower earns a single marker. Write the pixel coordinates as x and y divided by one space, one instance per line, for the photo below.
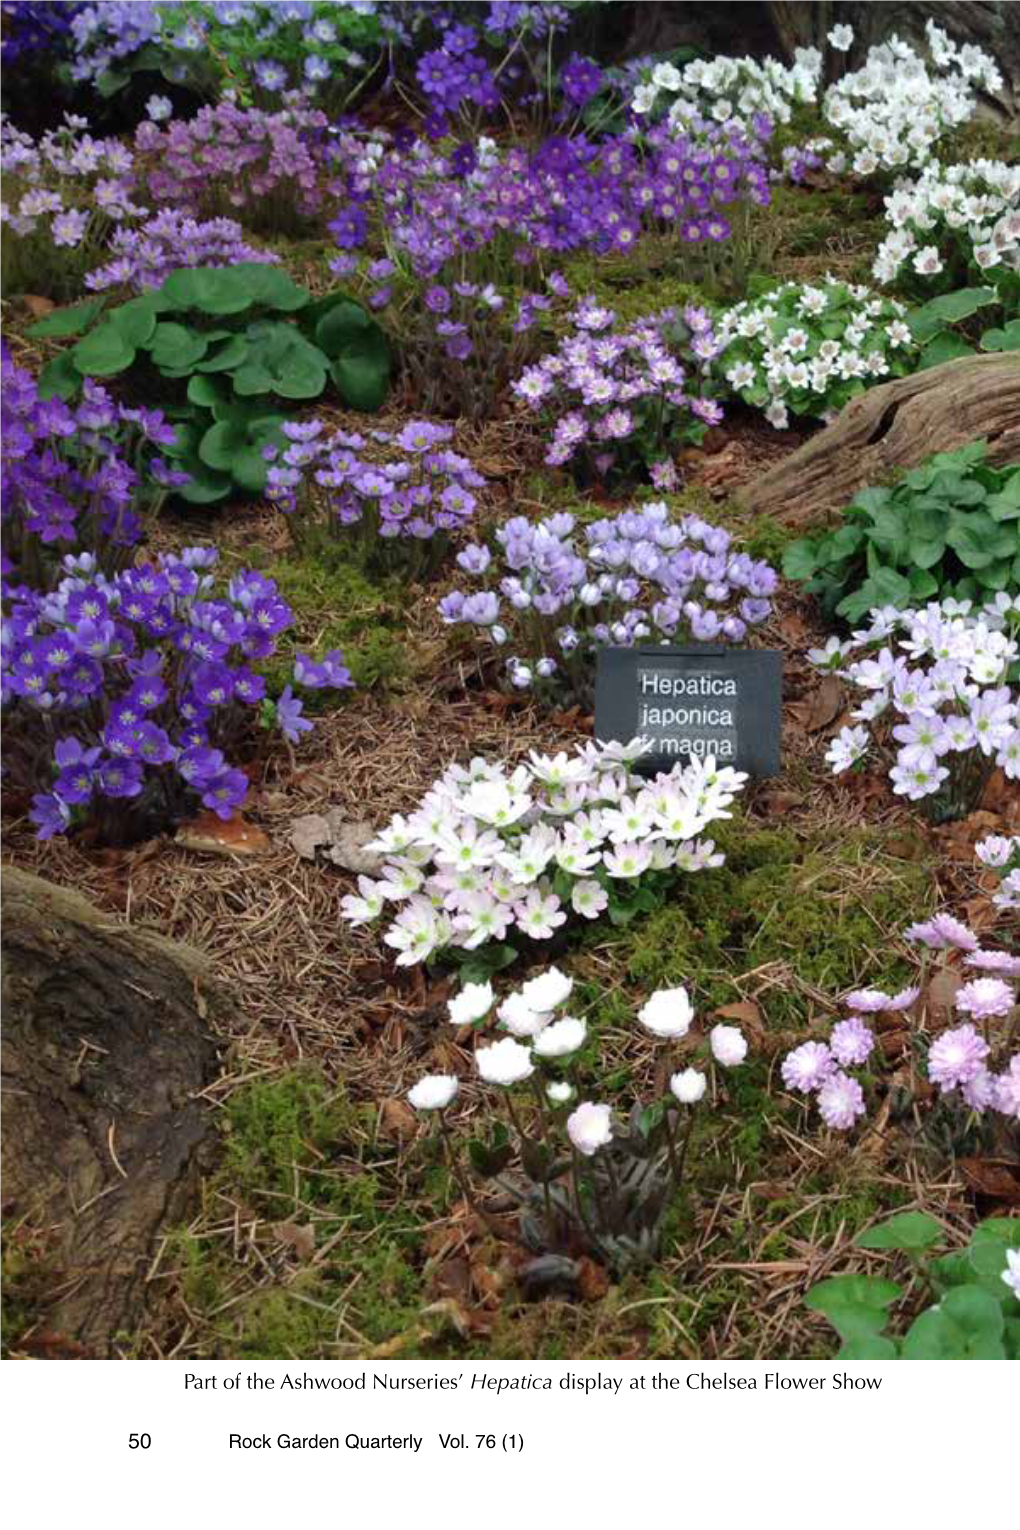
120 778
49 814
349 228
437 299
288 714
226 793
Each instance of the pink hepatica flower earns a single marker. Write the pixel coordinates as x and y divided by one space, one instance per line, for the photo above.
942 932
851 1042
539 915
807 1067
841 1101
985 997
956 1057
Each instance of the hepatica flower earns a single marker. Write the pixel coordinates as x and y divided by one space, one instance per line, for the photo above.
955 659
513 872
560 593
970 1064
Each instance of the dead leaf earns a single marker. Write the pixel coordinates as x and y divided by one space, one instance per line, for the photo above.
211 835
397 1119
592 1280
821 707
940 995
336 838
993 1179
299 1236
37 306
743 1011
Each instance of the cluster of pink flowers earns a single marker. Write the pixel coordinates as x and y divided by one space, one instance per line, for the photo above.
961 1058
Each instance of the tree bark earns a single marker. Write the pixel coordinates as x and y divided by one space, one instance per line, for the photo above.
894 427
105 1048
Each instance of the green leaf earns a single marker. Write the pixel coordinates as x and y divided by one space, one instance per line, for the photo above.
978 540
854 1304
362 373
65 322
206 485
913 1230
967 1324
1005 505
60 378
868 1347
221 444
135 320
226 357
175 348
103 353
1005 339
799 560
949 308
204 391
943 348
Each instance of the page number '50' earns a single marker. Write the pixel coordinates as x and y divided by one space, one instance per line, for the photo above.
139 1441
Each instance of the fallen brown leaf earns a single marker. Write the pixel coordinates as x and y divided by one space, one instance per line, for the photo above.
299 1236
821 707
397 1119
994 1179
211 835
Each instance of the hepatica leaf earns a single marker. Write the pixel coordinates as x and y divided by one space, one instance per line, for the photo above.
103 353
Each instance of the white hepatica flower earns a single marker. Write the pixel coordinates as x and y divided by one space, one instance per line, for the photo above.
496 803
588 899
434 1092
728 1045
590 1127
667 1013
506 1062
561 1038
547 991
626 861
560 1092
519 1018
472 1003
689 1086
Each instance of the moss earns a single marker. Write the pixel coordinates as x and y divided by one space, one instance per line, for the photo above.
295 1148
816 906
804 233
337 605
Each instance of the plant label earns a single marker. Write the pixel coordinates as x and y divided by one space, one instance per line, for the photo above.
691 703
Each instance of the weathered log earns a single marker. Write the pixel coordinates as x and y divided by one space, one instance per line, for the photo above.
892 428
105 1047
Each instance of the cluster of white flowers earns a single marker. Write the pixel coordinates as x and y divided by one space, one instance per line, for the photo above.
894 110
1001 853
950 220
939 674
538 1036
491 849
728 89
809 348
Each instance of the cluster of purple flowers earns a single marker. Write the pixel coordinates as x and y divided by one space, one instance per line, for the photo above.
618 396
35 28
105 33
142 259
75 477
406 487
455 77
127 689
238 155
960 1058
639 576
